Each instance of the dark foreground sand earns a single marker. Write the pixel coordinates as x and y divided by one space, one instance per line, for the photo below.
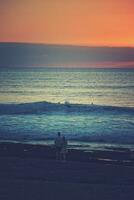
32 173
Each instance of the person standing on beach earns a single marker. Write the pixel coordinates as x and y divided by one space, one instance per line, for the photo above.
64 148
58 146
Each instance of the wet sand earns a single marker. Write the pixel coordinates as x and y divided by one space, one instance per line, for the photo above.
30 172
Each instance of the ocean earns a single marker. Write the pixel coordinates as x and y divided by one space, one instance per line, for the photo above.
85 105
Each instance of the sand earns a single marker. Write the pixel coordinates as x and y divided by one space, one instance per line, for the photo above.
31 173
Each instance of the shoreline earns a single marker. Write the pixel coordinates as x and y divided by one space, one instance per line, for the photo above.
109 155
31 172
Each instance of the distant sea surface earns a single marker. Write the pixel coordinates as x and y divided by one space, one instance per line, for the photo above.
84 104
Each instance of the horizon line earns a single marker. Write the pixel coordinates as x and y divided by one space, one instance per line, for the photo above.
67 45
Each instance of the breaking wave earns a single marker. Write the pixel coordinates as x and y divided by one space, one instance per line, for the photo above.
47 107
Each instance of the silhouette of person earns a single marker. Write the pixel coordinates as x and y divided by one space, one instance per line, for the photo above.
132 154
64 148
58 146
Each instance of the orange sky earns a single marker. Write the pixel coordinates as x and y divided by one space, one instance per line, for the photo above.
81 22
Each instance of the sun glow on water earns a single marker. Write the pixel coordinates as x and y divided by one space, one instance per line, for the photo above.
102 87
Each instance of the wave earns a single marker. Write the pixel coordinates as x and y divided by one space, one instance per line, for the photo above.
47 107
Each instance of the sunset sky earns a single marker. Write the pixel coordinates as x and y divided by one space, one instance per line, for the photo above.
79 22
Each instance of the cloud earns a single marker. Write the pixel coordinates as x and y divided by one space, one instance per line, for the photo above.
28 55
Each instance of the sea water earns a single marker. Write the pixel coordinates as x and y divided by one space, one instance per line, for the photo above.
83 104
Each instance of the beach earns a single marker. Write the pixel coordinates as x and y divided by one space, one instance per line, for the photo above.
66 100
31 172
92 108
